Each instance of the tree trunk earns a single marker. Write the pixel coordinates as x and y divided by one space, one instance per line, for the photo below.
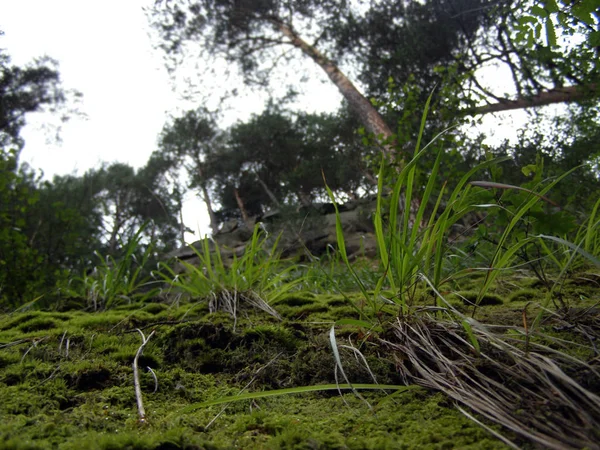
182 226
368 115
269 192
214 224
242 208
112 241
304 198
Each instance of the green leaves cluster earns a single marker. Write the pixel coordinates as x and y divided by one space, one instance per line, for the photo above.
20 264
257 277
273 159
51 229
569 16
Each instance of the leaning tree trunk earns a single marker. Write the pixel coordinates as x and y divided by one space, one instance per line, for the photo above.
242 208
370 118
374 123
268 191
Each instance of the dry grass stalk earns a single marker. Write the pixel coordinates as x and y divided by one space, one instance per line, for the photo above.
136 376
522 389
229 302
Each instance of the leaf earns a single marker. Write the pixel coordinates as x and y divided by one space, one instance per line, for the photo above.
550 33
529 170
471 335
539 11
355 322
594 39
583 12
576 248
551 6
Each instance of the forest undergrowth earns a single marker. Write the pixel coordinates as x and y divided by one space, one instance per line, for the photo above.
483 339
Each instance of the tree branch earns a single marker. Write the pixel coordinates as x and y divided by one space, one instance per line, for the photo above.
559 95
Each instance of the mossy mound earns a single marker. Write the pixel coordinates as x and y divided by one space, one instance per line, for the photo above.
66 379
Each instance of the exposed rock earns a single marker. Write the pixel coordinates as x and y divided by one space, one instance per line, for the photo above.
308 229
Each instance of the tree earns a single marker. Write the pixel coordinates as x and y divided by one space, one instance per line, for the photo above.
397 39
22 90
536 42
248 31
19 261
66 225
275 158
189 140
126 199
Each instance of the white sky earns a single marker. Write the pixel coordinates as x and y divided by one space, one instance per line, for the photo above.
105 52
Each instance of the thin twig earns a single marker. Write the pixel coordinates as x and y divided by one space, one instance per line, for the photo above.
155 378
136 376
33 345
61 342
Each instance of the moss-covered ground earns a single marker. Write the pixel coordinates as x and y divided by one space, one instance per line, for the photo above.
66 378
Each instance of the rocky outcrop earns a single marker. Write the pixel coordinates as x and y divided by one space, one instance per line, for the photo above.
308 230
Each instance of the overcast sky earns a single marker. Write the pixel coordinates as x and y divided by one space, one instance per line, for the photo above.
105 52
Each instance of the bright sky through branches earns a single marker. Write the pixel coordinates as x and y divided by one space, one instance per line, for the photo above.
104 51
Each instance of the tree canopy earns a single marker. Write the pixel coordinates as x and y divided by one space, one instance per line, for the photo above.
426 42
50 228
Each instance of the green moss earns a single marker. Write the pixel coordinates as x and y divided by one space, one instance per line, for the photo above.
155 308
85 399
296 299
37 324
521 295
471 297
270 334
302 312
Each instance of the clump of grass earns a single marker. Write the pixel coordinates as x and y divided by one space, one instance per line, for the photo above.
504 378
415 239
257 278
116 280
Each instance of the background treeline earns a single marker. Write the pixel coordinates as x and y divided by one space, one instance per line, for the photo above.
398 52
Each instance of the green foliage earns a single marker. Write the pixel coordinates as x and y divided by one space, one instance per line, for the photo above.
48 229
116 280
298 390
33 88
571 18
412 245
418 43
257 275
567 256
52 229
24 271
21 265
554 43
271 161
127 199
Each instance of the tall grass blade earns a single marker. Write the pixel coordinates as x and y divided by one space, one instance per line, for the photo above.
297 390
342 246
575 248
